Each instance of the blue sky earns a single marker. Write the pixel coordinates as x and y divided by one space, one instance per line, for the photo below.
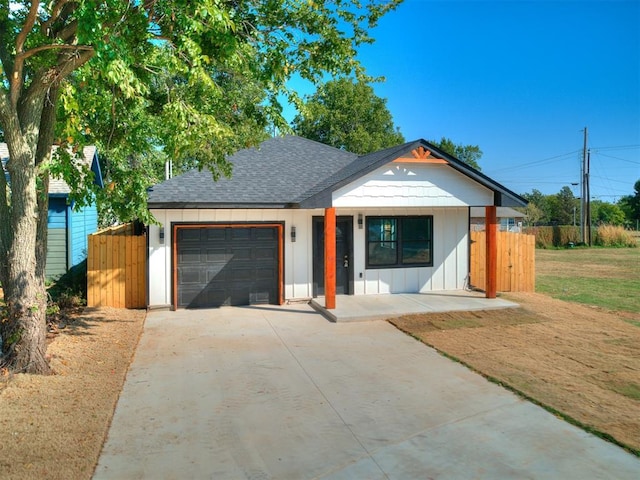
521 79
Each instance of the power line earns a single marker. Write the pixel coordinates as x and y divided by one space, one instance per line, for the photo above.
536 162
618 158
620 147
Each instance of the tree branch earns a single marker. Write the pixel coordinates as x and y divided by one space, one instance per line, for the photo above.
32 103
29 53
55 15
16 75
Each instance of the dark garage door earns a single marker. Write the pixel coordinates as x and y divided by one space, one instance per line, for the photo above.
235 265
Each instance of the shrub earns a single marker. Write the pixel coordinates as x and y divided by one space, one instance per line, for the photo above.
614 236
544 236
556 236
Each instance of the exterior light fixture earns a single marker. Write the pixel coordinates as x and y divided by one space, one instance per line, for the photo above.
360 221
161 234
293 233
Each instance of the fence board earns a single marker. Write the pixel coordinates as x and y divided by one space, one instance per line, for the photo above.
516 261
116 269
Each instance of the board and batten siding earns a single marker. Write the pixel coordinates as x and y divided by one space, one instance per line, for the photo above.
297 255
450 241
450 268
415 189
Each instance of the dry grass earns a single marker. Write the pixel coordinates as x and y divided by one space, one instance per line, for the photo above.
53 427
612 236
581 361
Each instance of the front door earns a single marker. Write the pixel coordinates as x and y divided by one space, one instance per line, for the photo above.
344 253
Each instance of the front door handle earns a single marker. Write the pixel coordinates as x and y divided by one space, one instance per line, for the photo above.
346 261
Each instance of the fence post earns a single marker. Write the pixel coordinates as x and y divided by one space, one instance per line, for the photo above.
492 252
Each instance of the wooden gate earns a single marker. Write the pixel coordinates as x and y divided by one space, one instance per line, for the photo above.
117 268
516 261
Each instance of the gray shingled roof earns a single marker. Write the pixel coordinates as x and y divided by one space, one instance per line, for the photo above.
57 186
293 172
274 175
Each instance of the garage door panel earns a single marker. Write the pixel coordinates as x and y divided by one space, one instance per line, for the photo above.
214 234
190 277
240 234
241 253
190 255
265 234
265 253
227 266
189 235
218 255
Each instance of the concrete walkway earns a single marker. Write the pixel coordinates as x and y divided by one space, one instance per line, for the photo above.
280 392
358 308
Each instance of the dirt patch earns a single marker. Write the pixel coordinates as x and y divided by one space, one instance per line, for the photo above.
582 361
54 426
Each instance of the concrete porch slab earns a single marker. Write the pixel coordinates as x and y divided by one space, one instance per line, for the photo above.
353 308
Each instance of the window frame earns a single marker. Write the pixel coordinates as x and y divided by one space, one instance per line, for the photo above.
399 241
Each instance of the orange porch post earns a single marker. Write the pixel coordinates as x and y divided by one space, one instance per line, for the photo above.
330 258
492 252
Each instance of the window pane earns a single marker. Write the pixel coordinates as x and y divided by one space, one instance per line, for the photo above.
415 229
382 230
383 253
415 252
399 241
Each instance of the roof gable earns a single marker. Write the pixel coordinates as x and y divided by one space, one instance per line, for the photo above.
418 151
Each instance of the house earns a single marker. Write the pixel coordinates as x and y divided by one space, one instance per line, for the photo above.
299 219
510 220
68 226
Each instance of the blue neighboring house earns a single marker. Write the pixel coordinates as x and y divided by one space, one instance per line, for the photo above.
68 227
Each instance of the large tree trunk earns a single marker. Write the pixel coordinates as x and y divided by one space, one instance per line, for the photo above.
24 330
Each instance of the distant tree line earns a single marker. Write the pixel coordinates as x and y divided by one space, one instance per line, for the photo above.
563 208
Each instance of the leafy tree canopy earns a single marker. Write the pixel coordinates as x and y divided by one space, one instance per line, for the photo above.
562 207
469 154
347 115
142 79
630 205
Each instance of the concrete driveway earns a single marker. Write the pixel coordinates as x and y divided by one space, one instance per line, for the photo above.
280 392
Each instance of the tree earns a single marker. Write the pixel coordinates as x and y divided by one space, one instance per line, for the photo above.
469 154
630 205
349 116
564 204
538 205
605 213
136 59
533 214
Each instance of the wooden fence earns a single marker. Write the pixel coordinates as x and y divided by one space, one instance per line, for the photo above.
516 261
117 268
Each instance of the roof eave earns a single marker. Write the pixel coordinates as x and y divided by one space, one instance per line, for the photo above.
216 205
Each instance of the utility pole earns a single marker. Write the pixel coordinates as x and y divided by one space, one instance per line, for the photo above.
584 186
588 204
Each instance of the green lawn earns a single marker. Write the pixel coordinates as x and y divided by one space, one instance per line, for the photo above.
605 277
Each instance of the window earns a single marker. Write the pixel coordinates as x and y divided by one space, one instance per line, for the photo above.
399 241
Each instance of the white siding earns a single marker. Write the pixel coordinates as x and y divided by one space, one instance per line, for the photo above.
450 254
450 250
297 255
413 185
